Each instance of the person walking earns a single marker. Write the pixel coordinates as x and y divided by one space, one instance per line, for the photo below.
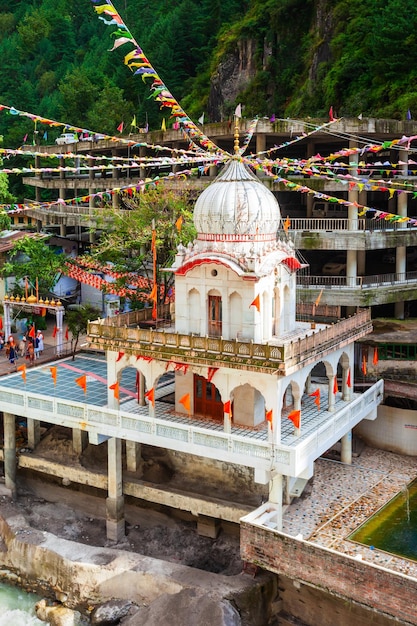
30 354
41 346
22 347
12 353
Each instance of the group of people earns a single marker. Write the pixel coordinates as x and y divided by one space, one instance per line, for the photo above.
30 346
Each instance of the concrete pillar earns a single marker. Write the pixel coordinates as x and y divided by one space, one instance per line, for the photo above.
346 451
63 230
79 440
308 386
346 391
34 432
10 464
208 526
7 312
115 522
275 496
331 394
141 390
134 462
286 490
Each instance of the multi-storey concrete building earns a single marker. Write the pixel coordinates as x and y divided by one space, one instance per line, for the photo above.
375 258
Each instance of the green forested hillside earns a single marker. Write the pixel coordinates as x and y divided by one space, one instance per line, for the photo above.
298 57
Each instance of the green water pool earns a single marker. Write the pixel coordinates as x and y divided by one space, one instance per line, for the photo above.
394 527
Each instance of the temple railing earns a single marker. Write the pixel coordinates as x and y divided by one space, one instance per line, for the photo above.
123 333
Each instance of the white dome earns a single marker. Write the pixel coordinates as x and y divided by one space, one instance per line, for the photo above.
237 205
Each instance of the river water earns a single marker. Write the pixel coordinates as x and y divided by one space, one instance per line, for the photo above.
17 608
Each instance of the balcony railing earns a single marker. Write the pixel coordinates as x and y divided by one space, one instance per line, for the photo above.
359 282
123 332
344 224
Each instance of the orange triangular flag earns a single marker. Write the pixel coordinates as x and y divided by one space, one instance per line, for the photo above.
287 224
256 303
185 401
268 416
120 355
32 332
82 382
295 417
54 332
150 396
375 357
178 223
335 387
227 407
54 372
115 388
22 368
364 365
318 298
348 381
316 395
154 293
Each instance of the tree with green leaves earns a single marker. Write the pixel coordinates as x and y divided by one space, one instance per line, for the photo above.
127 235
33 259
77 318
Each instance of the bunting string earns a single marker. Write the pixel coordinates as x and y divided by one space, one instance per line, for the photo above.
140 65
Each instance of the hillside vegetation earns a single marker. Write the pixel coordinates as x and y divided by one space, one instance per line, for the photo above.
283 57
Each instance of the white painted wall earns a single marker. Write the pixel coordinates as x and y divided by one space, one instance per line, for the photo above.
394 430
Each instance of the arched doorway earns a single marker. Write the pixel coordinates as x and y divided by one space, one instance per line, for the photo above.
207 399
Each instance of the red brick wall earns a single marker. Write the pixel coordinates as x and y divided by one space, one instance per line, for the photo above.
374 587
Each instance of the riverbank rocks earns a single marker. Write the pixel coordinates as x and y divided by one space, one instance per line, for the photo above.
56 615
189 607
110 613
90 576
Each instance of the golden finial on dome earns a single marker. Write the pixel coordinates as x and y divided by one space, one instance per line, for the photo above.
32 299
238 115
11 298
